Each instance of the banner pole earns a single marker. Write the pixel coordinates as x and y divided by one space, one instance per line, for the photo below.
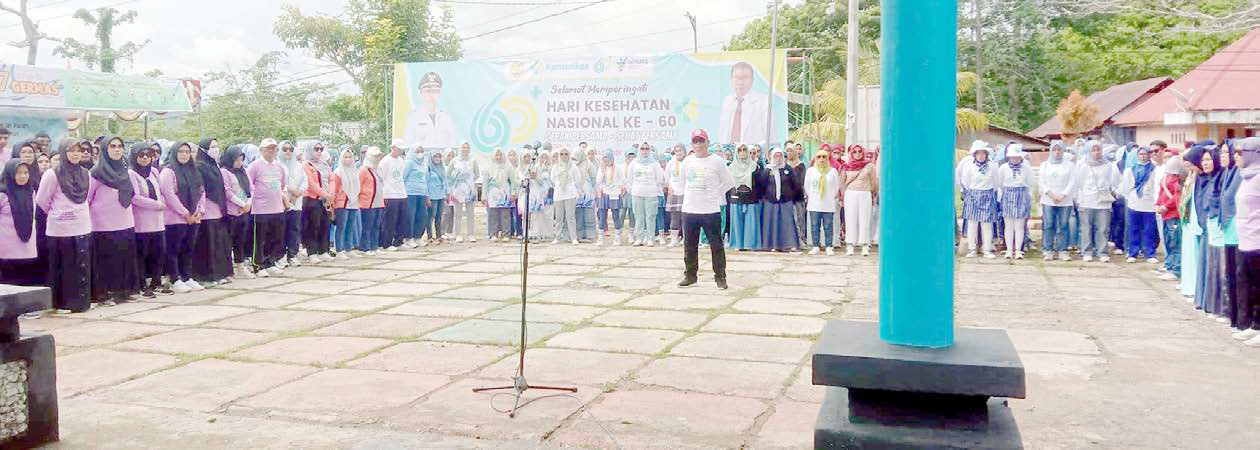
774 53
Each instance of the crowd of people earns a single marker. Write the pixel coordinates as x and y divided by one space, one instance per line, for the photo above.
100 221
1202 204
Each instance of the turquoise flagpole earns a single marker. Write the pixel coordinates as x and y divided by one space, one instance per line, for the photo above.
916 254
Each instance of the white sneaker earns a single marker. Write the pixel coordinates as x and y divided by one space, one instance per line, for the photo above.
814 251
831 251
599 241
296 262
1253 342
391 249
264 273
848 250
1168 277
1006 254
1088 258
472 240
343 256
616 241
1130 260
194 285
1064 256
651 242
1222 319
1117 251
459 239
990 255
1152 260
1246 334
555 241
673 241
179 287
970 254
866 250
1019 255
1047 256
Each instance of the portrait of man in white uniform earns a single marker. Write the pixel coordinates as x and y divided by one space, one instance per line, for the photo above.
428 125
743 111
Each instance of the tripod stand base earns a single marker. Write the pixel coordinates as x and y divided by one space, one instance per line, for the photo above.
519 385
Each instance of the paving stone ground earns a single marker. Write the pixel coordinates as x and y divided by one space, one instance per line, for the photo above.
383 353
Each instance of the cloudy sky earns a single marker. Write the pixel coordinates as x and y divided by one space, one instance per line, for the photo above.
189 38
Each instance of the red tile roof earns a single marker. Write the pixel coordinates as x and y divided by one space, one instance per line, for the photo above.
1111 101
1229 80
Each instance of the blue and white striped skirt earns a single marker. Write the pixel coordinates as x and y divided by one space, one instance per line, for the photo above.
606 202
1016 203
980 205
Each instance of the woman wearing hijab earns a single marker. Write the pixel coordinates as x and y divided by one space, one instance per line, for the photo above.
627 208
415 176
796 162
565 177
346 189
861 182
237 188
609 189
1056 186
19 257
316 203
496 192
585 204
1013 181
514 162
674 187
463 174
745 200
212 251
978 180
110 193
644 182
371 200
1223 233
1191 231
183 192
1116 229
63 194
1247 205
821 189
1166 203
1097 181
147 207
294 190
837 161
1207 207
778 214
1139 190
437 189
448 225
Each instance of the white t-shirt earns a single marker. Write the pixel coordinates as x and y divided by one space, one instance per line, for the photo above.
646 179
706 181
391 168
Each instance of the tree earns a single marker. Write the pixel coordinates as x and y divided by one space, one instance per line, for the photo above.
367 39
1077 114
829 107
820 25
101 54
29 28
258 105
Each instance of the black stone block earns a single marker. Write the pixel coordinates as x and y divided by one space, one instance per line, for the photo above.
18 300
39 352
837 426
981 363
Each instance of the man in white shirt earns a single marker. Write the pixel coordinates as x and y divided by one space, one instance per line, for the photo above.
394 227
430 126
705 182
743 116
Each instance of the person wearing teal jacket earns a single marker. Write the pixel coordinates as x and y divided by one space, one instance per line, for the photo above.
436 181
415 175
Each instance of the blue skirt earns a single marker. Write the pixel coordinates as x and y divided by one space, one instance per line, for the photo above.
1016 203
746 226
980 205
606 202
778 221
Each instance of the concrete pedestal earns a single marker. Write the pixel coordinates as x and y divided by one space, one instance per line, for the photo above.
892 396
28 372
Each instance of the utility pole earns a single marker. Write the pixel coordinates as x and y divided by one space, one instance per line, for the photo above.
774 52
695 44
851 75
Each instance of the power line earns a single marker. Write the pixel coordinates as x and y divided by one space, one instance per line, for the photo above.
509 27
38 21
625 38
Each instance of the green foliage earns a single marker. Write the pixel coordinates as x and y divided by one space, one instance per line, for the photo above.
102 54
259 105
368 37
815 24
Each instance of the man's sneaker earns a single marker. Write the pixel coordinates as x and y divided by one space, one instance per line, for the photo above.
721 283
814 251
179 287
686 282
831 251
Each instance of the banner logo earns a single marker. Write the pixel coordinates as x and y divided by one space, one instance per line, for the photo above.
492 124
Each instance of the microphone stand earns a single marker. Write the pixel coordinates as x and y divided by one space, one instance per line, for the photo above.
519 385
